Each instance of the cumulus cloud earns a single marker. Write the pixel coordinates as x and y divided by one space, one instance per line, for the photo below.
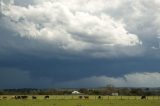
36 29
145 79
114 28
140 17
72 26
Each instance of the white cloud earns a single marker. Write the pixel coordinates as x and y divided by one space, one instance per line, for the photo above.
78 26
72 26
140 16
145 79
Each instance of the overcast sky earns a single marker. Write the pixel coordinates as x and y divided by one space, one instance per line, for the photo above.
79 43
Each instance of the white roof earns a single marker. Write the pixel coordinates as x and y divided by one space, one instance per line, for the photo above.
75 92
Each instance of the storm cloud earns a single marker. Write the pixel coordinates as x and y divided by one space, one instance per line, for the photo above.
128 80
71 41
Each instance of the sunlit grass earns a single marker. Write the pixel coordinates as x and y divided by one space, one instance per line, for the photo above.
75 101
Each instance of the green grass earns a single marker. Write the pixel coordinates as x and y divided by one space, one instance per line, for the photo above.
74 101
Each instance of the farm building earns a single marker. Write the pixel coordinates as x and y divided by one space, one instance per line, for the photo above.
76 92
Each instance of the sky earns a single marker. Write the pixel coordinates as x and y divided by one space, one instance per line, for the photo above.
79 43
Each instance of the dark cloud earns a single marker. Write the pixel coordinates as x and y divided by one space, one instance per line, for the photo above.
79 47
58 71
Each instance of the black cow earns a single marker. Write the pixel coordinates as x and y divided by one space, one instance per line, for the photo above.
34 97
80 97
4 97
24 97
86 97
17 97
143 97
21 97
46 97
99 97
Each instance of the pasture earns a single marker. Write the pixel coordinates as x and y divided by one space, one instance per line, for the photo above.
76 101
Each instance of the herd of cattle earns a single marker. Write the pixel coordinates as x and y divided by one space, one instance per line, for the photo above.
23 97
47 97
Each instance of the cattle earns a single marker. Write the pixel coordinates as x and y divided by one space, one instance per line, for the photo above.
4 97
24 97
21 97
86 97
34 97
80 97
17 97
99 97
46 97
143 97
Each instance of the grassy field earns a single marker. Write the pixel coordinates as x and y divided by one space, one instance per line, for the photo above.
75 101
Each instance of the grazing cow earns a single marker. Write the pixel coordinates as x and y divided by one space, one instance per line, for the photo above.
17 97
80 97
46 97
86 97
99 97
4 97
143 97
34 97
21 97
24 97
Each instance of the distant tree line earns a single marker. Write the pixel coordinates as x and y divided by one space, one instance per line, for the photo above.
96 91
30 91
122 91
